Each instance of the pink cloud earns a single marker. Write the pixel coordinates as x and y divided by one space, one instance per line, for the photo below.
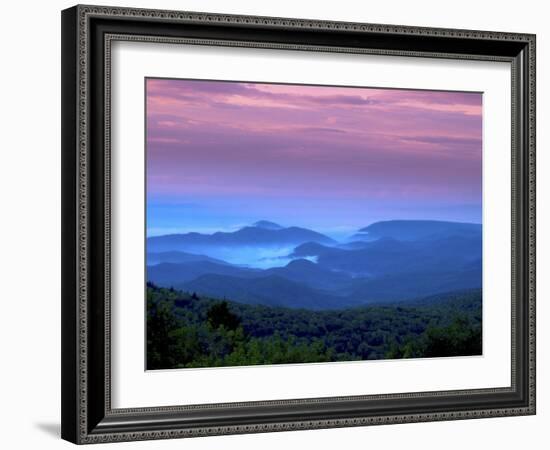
227 138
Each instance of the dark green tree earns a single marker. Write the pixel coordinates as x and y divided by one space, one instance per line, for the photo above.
219 314
161 322
458 339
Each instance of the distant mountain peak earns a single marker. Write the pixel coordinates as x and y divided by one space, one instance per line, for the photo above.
416 222
419 229
267 225
301 263
245 237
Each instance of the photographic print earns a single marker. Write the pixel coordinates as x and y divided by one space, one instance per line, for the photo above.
291 223
249 196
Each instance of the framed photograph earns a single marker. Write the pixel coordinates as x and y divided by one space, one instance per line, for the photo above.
278 224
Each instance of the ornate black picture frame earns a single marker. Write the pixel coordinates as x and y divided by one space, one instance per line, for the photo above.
87 34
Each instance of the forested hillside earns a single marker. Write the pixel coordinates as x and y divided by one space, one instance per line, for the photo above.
188 330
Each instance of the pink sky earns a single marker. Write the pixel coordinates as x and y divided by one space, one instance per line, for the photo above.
355 150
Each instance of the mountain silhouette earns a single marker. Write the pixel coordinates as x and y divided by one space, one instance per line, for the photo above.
170 274
418 229
179 258
267 225
300 271
401 260
271 290
245 237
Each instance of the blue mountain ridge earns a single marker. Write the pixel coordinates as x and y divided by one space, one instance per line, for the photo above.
418 229
429 258
266 234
